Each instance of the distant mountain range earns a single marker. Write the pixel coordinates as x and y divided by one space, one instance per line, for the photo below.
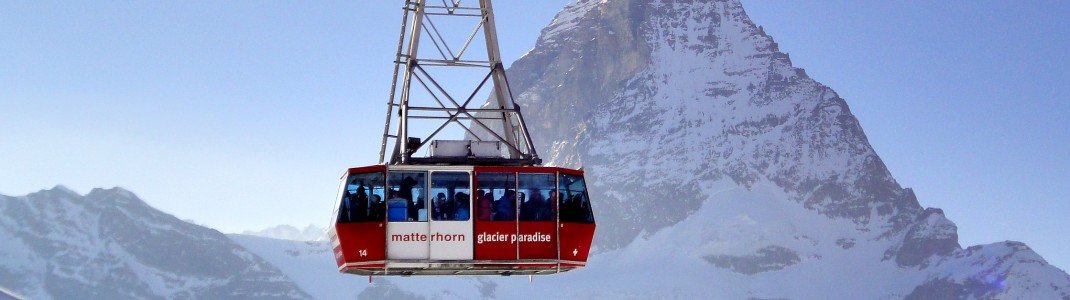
109 244
287 232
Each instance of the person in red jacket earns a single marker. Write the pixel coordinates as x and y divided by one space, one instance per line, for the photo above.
486 206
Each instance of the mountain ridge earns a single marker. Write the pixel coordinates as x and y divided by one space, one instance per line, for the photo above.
289 232
111 244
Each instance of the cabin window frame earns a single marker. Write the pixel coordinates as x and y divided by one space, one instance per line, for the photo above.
346 201
420 183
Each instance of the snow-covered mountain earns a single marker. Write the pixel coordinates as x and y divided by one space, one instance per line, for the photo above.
287 232
109 244
716 163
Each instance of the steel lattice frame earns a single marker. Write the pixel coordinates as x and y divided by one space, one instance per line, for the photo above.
418 19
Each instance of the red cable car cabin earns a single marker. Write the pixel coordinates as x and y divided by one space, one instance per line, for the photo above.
462 220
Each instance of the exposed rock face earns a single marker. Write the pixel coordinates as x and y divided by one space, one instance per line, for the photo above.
770 258
931 235
111 245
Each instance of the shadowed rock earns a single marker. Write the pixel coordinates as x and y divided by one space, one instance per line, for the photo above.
770 258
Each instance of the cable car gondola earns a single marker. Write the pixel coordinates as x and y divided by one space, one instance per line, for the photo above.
479 206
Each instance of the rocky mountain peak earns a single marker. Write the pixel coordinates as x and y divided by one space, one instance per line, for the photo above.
664 98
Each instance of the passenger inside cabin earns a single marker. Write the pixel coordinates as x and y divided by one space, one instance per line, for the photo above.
538 209
584 208
569 208
462 213
486 205
421 210
527 208
344 215
505 207
377 208
577 209
449 207
552 205
398 207
359 210
438 207
406 193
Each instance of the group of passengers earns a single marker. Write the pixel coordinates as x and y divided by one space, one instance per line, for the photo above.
359 206
454 206
537 208
576 208
402 202
451 209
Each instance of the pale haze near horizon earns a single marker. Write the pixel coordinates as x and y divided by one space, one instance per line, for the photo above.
242 115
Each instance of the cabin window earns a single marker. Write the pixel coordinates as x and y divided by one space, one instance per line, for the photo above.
362 198
536 195
497 196
450 196
407 197
573 201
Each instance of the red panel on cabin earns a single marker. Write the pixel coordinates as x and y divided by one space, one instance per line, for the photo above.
495 240
576 241
366 169
538 240
361 242
571 171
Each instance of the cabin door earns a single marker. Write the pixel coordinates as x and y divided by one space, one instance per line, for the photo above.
407 229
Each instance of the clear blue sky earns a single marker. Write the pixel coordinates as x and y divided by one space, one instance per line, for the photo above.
241 114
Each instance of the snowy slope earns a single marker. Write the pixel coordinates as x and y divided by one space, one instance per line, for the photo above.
109 244
309 263
742 243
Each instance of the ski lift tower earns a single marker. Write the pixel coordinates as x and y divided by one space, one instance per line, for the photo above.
498 125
